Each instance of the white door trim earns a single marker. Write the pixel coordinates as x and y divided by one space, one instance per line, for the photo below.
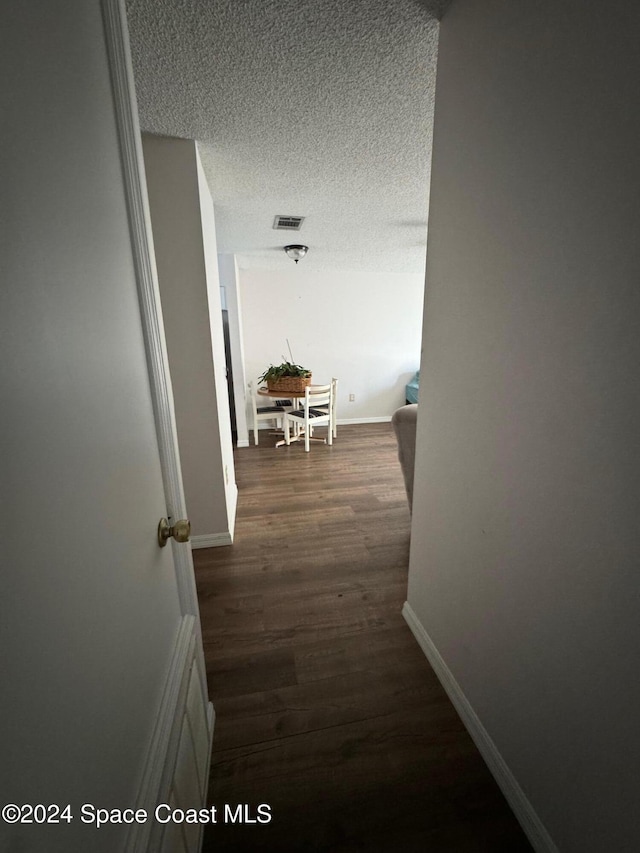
126 108
160 769
155 787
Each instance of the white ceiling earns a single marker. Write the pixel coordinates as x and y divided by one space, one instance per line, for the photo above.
318 108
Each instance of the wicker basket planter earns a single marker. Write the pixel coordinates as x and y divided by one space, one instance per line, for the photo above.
289 384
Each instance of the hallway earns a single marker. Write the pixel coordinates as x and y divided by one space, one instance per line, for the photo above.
327 710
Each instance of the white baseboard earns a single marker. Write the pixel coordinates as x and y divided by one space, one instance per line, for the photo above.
217 540
242 442
211 540
540 839
385 419
232 508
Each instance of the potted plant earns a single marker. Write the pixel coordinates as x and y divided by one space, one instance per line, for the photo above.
287 377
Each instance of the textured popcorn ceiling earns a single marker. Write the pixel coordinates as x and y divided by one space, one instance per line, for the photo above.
315 108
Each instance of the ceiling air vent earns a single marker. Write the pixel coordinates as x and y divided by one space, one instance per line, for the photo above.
288 223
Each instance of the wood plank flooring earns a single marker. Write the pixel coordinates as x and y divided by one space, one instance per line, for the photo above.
327 709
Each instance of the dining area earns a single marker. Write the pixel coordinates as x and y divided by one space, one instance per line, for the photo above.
285 397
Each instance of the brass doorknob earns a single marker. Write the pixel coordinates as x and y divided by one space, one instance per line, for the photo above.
181 531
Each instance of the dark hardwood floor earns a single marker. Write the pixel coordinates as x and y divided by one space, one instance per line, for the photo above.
327 710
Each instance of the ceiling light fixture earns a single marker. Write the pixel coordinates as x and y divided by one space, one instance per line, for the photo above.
295 252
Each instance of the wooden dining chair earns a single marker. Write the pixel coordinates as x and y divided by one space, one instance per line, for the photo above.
274 412
316 409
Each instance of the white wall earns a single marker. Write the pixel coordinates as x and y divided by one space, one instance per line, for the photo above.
362 328
184 239
525 539
208 233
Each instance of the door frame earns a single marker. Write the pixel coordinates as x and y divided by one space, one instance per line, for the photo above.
126 109
175 705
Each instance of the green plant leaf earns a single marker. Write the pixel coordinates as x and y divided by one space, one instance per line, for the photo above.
287 368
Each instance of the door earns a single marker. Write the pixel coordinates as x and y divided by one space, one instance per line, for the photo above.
99 630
